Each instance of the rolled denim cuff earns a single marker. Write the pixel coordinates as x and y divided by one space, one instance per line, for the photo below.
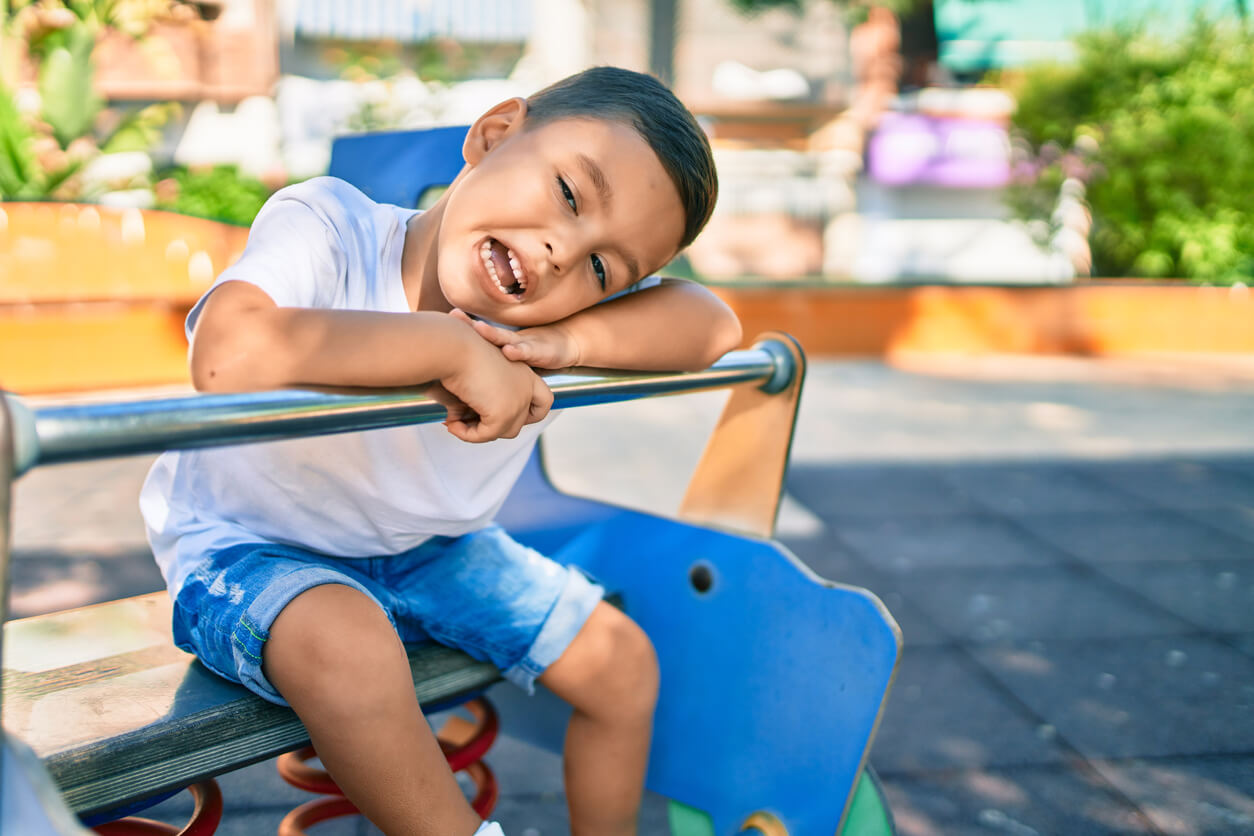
578 599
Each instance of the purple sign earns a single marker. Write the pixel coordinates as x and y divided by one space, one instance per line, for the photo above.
911 149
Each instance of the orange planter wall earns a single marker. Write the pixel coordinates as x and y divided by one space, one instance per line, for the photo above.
1089 319
93 297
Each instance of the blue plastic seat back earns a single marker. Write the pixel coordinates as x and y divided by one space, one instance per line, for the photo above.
398 166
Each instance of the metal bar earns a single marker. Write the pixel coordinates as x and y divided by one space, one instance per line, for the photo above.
6 487
65 433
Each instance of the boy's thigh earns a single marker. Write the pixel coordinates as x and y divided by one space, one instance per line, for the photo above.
495 599
225 609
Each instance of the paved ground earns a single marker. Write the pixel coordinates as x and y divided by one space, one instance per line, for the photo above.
1068 546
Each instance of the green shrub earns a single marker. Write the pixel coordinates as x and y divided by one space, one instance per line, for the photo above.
220 193
1162 132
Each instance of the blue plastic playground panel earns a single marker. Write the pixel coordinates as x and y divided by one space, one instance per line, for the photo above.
772 679
398 166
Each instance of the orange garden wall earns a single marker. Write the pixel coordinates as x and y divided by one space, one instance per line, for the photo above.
1096 319
93 298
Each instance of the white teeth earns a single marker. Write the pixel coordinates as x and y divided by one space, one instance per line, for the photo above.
516 267
485 253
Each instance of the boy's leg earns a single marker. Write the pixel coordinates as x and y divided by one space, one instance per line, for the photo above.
609 675
335 657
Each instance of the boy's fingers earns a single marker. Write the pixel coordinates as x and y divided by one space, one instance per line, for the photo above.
519 352
471 435
494 335
474 432
458 313
452 404
541 401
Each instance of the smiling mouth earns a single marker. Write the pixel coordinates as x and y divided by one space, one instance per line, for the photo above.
503 268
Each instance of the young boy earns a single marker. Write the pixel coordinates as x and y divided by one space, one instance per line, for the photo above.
299 567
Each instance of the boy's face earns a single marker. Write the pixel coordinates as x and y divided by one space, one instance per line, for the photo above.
548 221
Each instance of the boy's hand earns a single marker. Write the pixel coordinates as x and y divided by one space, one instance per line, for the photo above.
492 397
543 347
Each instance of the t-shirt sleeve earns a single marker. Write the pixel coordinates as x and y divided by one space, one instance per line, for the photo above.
294 253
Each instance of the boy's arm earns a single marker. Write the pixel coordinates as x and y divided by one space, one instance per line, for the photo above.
676 326
243 341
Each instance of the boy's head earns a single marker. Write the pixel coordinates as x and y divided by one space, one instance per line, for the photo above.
572 195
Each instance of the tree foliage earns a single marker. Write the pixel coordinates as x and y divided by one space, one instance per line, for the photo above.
220 193
1161 129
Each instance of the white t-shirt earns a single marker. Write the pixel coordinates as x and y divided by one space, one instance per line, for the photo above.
324 244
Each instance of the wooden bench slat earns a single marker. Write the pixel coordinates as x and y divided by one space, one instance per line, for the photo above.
118 713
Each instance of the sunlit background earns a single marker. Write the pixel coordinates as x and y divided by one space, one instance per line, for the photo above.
955 140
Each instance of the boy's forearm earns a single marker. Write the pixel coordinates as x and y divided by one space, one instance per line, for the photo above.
279 347
676 326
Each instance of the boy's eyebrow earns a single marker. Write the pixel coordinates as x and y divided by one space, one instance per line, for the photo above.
606 194
597 176
633 267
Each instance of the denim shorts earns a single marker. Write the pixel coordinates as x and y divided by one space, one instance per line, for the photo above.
482 593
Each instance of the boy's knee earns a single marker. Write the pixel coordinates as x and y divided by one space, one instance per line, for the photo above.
619 666
327 636
638 660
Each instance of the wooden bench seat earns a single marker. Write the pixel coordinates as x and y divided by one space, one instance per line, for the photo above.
118 713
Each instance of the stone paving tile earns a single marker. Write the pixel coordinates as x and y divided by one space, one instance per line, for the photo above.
49 581
836 492
1143 536
1175 484
942 713
1024 801
253 796
1237 463
1216 595
1238 522
997 604
546 815
830 558
903 544
1213 795
1036 487
917 630
523 769
1242 642
85 506
1142 697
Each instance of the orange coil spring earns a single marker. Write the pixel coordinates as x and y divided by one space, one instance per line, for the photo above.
206 816
463 744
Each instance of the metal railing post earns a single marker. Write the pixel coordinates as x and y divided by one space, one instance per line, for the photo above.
7 474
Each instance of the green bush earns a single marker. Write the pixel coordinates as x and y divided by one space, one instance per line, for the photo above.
1162 133
220 193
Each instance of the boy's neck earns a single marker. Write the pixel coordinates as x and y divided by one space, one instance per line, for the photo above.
420 259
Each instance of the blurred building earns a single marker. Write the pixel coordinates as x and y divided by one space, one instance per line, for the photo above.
839 155
225 53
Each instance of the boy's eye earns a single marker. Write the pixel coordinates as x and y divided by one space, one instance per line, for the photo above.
598 267
568 194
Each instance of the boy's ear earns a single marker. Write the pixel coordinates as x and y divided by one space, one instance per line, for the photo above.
492 127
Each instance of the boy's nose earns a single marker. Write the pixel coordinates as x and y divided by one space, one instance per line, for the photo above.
557 258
